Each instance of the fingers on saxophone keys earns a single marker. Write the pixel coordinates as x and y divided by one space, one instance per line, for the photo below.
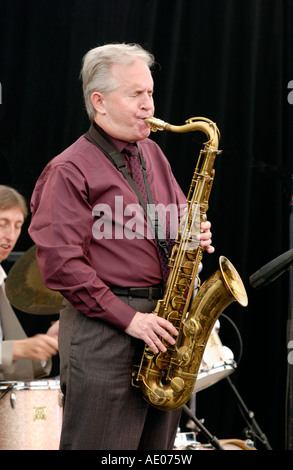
206 235
205 226
162 330
210 249
165 332
168 329
156 345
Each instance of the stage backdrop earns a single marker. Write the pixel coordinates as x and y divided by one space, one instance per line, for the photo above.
226 60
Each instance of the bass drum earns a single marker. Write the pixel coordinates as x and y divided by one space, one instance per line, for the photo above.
30 415
217 362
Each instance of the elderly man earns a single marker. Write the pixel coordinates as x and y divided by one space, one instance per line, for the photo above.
99 256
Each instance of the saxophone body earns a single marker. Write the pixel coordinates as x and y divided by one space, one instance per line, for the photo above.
167 379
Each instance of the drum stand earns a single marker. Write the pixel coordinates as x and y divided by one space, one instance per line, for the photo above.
211 439
254 430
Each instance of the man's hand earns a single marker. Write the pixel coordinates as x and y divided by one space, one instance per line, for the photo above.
39 347
149 327
206 237
54 329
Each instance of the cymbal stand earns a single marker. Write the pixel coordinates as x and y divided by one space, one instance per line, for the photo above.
210 438
254 429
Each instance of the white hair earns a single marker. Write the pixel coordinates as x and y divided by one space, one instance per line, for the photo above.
96 68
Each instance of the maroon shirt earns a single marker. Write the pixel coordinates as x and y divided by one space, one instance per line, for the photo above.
80 255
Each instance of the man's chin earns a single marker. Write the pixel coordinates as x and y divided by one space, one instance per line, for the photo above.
144 133
4 256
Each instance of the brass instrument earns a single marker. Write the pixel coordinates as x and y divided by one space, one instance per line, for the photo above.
167 379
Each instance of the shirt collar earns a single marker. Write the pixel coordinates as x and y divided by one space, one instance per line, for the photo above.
2 275
119 144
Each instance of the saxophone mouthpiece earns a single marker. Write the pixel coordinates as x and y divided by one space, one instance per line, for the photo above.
155 124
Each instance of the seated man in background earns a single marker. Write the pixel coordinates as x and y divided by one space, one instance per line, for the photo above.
21 358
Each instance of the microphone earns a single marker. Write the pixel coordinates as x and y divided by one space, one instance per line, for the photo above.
272 270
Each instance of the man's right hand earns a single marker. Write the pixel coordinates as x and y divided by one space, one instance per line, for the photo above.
149 327
40 347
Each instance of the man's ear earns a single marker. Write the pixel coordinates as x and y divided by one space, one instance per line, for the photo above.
97 100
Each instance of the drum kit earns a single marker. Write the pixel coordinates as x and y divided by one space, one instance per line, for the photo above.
31 412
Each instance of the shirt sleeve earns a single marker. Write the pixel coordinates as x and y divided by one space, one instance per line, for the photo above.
6 353
61 227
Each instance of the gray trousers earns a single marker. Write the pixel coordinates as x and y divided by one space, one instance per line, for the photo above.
102 410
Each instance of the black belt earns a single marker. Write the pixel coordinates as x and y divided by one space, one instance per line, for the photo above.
154 292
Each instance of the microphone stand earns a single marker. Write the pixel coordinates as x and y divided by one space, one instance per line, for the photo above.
212 439
249 416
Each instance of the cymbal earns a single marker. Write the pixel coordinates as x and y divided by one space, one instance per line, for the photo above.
25 289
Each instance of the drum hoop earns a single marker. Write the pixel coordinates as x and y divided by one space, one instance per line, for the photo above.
33 385
219 365
229 366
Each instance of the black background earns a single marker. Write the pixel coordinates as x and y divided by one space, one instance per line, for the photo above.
226 60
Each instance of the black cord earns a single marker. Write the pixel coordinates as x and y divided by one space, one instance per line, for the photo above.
7 390
238 335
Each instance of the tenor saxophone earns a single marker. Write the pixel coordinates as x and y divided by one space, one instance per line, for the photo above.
167 379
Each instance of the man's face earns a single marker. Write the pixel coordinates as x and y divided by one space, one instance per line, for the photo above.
121 112
11 221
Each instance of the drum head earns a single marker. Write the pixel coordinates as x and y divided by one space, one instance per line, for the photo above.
207 378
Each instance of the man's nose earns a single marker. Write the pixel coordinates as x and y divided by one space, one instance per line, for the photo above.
147 102
11 233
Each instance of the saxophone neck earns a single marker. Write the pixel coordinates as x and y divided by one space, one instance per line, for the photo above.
193 124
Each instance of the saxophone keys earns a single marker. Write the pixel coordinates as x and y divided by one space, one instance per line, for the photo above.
183 356
177 301
157 397
192 328
177 384
173 316
187 268
162 360
182 285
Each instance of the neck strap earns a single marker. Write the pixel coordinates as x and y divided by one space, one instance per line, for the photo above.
99 138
